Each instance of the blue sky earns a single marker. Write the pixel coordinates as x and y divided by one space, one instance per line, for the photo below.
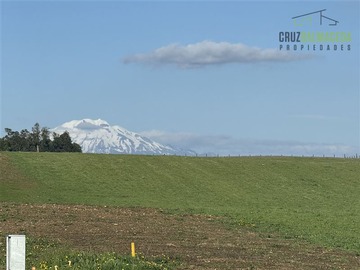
203 75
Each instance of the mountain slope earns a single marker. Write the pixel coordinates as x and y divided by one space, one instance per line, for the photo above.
97 136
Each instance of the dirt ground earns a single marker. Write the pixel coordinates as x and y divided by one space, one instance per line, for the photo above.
199 241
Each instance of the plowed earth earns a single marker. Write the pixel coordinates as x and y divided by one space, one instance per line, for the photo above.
199 241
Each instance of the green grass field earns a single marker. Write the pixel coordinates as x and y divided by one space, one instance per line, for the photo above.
316 199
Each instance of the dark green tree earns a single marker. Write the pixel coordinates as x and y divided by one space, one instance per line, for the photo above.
38 139
45 142
3 145
56 143
36 131
5 141
25 138
63 143
13 139
76 148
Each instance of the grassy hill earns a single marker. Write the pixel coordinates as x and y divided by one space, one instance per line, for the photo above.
316 199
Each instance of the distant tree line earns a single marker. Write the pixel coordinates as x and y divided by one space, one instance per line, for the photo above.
37 140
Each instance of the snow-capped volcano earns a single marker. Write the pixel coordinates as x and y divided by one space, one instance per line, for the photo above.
97 136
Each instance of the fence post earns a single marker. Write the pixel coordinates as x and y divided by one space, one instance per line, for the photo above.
132 249
15 252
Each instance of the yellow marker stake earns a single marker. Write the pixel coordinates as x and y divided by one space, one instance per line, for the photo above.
132 249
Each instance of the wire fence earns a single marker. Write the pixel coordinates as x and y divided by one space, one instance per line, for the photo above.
345 156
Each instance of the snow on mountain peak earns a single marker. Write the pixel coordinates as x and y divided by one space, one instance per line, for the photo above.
97 136
85 124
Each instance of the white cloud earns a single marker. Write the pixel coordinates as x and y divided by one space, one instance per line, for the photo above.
226 145
207 53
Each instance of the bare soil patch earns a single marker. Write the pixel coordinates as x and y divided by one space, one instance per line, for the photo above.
199 241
